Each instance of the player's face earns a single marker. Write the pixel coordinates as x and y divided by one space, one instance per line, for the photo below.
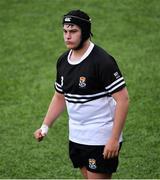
72 35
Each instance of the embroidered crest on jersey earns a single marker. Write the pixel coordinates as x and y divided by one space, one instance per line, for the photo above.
92 164
82 82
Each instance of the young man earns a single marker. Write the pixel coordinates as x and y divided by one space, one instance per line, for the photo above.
90 84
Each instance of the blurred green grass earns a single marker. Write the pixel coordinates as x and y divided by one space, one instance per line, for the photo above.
30 43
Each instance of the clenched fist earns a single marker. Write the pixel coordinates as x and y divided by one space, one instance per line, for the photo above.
39 135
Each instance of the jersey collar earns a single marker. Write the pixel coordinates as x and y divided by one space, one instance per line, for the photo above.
86 54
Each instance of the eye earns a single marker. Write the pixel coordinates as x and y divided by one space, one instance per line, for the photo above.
64 31
74 31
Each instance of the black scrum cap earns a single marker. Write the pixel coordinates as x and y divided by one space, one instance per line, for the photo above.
82 20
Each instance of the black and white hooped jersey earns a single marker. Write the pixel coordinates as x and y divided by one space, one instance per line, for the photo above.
88 85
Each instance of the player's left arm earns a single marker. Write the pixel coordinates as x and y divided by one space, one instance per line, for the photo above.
122 103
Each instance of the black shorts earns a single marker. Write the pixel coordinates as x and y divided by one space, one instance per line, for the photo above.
92 158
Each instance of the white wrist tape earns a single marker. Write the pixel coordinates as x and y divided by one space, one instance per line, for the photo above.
44 129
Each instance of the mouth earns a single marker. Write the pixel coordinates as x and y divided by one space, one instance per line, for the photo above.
68 43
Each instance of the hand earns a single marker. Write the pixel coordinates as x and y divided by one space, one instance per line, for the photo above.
38 135
111 149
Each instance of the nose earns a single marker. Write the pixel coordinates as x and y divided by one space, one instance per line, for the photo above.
68 35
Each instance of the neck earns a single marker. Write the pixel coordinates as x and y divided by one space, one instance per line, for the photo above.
77 54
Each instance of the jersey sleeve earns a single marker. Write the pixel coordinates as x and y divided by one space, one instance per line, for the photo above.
59 80
58 84
111 77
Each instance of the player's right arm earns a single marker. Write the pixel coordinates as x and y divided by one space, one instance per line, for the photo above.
56 107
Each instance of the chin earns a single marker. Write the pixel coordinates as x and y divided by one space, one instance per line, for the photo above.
70 46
